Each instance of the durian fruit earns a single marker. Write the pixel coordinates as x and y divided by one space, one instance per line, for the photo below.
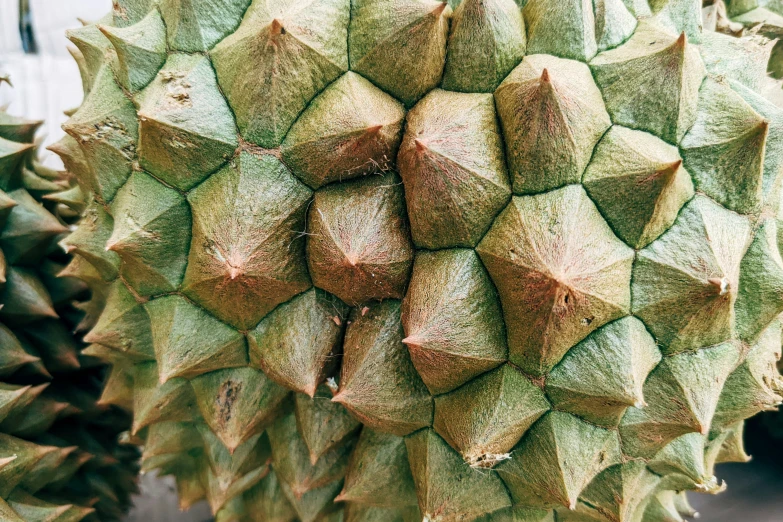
60 454
409 260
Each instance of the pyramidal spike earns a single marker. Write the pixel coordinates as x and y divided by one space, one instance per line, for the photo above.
349 130
484 419
685 456
552 116
267 501
92 46
548 308
760 295
189 342
72 156
107 130
378 382
696 308
140 48
661 64
20 130
713 147
662 507
25 298
732 445
312 505
291 459
237 403
449 344
118 387
165 438
28 455
565 28
155 402
31 508
296 344
38 185
73 198
637 182
29 229
451 163
197 25
617 493
378 472
445 486
89 240
581 452
231 272
11 154
13 355
614 23
672 411
7 204
616 361
755 385
322 423
288 73
124 325
171 110
228 474
358 245
14 398
405 57
56 345
772 175
483 24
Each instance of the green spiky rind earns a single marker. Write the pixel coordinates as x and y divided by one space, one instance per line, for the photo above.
678 73
352 128
497 28
265 37
266 202
704 291
454 174
296 344
603 375
638 183
552 116
60 458
107 131
450 494
518 251
359 247
375 358
581 451
406 57
140 49
379 380
449 345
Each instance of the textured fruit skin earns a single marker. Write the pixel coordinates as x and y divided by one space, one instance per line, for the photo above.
60 452
737 18
444 261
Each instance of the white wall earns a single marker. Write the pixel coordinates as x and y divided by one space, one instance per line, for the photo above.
48 83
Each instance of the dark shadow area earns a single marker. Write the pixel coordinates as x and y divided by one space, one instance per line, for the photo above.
755 489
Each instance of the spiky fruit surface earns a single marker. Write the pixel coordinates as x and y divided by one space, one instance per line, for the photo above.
60 454
408 260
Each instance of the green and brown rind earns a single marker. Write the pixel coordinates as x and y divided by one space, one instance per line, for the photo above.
417 260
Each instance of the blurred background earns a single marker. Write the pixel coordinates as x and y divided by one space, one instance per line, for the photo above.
34 55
